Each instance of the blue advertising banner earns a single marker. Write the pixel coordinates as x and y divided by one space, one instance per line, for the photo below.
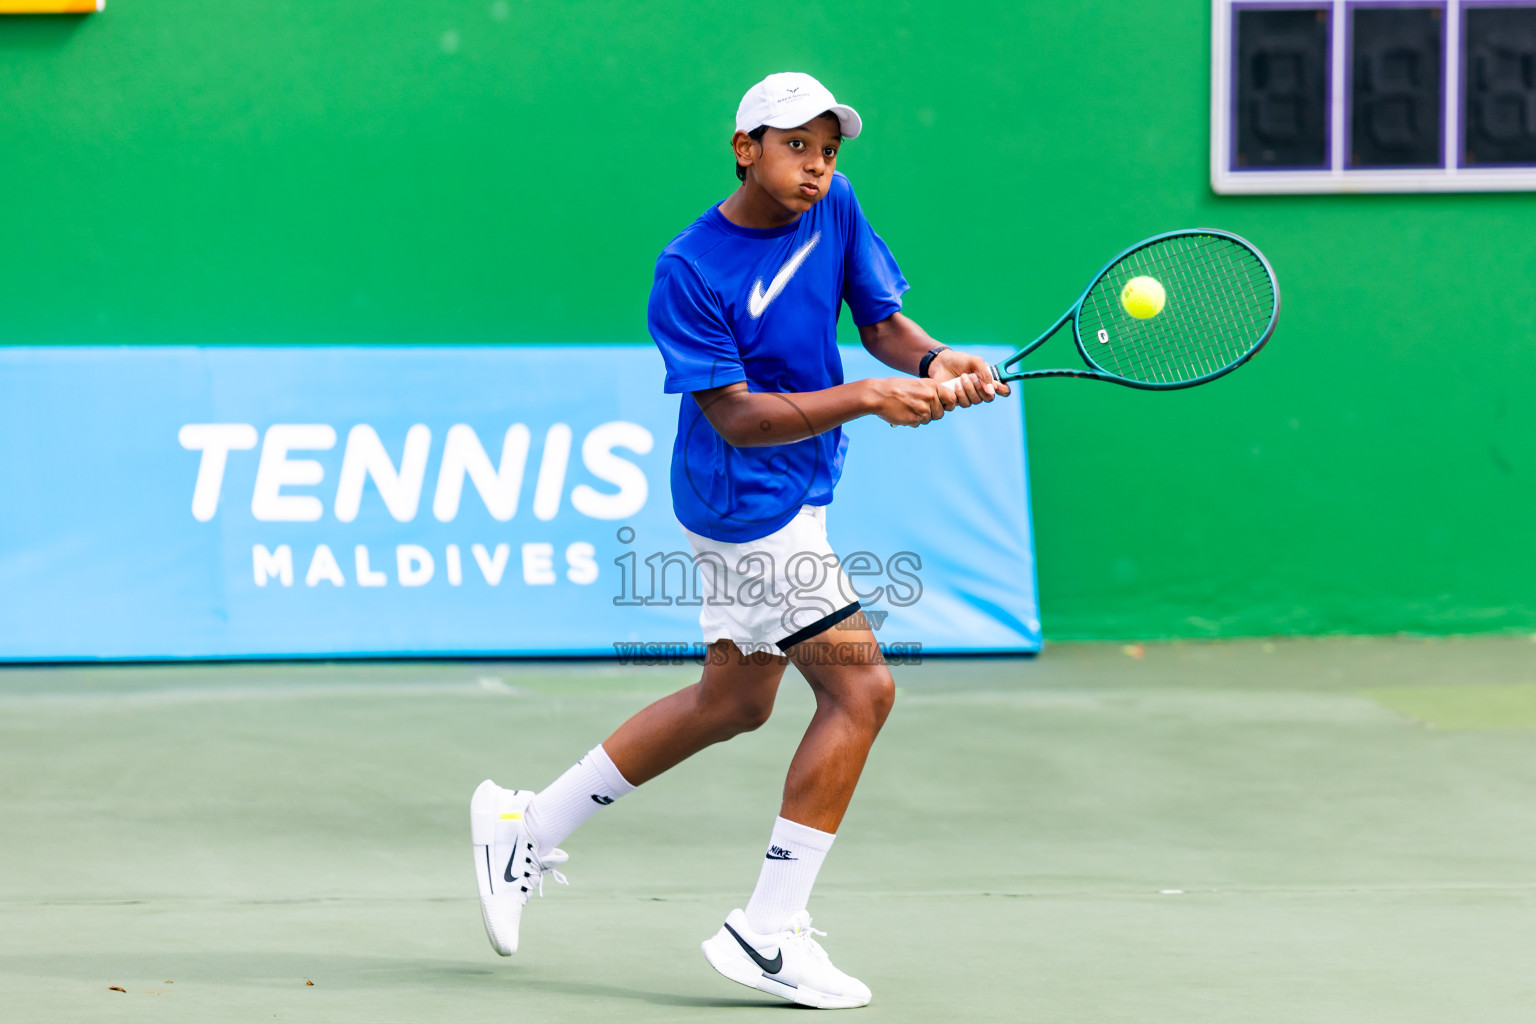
160 503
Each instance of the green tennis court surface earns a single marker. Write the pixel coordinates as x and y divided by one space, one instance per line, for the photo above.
1306 831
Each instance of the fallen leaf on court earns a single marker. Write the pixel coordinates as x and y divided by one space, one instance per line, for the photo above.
308 982
116 988
1134 650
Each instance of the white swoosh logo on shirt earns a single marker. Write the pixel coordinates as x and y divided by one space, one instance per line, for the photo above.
759 299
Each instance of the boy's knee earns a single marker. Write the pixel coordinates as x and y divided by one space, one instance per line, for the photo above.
881 691
871 696
753 714
742 712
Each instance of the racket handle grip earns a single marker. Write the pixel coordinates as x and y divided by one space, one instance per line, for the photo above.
997 375
954 383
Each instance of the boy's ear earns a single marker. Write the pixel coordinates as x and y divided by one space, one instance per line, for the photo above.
746 150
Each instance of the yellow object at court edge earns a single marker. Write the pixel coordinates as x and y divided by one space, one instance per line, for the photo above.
1143 297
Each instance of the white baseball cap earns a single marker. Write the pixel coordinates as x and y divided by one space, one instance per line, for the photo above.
789 99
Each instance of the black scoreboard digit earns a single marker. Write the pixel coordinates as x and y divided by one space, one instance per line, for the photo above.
1281 78
1396 86
1499 91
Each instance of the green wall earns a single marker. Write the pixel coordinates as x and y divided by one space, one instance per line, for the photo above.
323 171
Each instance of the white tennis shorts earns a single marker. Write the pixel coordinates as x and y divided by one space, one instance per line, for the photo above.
771 593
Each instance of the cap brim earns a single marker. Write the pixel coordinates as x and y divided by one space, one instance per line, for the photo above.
848 120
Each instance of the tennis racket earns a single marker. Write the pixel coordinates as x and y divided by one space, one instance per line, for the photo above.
1218 307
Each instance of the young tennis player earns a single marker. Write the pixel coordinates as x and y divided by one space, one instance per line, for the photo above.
744 309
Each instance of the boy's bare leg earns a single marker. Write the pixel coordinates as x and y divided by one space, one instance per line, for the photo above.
854 694
734 696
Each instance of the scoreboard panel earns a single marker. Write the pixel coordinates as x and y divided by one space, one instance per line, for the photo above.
1373 96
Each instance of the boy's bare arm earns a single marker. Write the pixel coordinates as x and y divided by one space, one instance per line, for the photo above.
749 419
900 343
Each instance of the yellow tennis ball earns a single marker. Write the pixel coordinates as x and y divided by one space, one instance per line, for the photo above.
1143 297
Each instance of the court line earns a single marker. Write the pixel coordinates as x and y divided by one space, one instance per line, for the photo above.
833 891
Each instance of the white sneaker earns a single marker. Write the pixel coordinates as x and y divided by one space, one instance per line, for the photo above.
507 865
791 965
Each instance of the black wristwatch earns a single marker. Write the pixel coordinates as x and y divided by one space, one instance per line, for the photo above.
927 360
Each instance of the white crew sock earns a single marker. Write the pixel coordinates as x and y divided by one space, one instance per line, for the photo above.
795 853
586 787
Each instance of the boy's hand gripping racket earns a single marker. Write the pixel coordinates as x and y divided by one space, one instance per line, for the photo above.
1176 310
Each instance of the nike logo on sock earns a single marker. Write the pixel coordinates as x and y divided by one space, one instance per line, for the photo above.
769 966
779 853
603 800
758 300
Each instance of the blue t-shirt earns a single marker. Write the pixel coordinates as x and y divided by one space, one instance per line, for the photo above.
737 304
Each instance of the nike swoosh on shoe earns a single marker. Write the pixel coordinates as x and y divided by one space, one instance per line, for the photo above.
773 966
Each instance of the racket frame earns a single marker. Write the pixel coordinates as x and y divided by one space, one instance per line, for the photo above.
1006 370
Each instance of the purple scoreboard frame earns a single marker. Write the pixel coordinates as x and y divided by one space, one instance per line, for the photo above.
1449 174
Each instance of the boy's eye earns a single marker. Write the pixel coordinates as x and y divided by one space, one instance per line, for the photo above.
796 144
830 152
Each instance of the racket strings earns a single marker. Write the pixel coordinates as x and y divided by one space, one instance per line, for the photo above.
1209 325
1205 328
1221 322
1220 299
